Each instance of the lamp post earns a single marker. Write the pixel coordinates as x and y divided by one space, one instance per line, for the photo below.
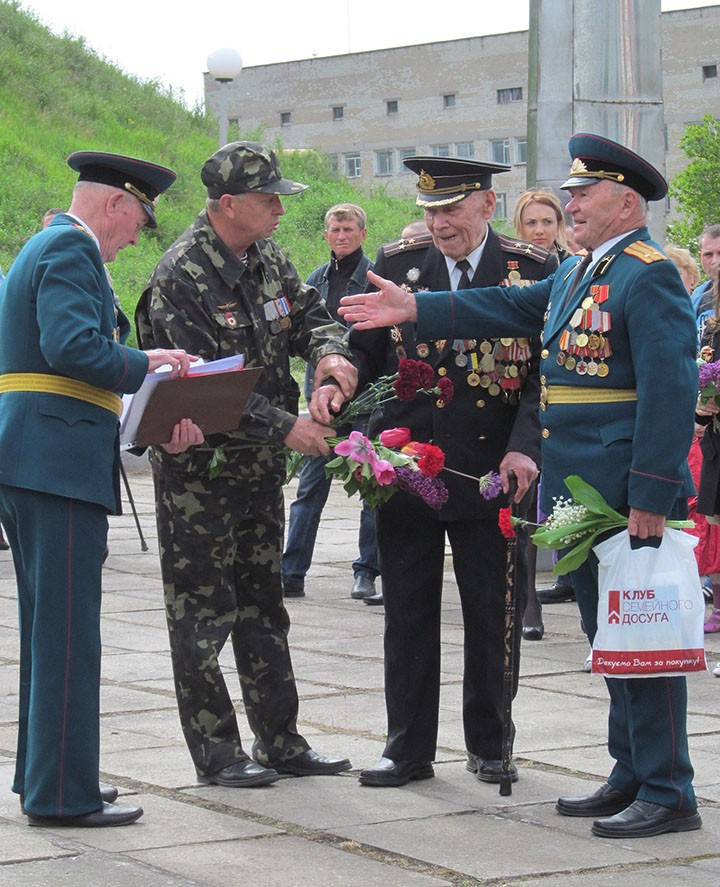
224 65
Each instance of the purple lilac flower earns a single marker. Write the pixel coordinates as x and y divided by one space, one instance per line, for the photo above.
431 490
709 373
490 485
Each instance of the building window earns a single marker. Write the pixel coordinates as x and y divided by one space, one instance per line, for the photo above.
338 112
402 153
466 150
513 94
501 207
500 151
352 166
449 100
383 163
520 150
709 72
440 150
285 118
391 107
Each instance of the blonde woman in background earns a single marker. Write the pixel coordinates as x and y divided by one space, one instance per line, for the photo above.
539 218
685 263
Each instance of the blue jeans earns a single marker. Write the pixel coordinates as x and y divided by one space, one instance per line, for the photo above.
305 512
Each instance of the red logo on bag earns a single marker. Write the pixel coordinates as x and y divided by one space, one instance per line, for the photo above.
614 607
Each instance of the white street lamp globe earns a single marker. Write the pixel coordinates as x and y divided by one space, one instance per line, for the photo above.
224 64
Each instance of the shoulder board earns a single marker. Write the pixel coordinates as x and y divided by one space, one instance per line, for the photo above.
642 250
523 248
406 244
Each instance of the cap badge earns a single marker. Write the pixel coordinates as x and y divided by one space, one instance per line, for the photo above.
426 182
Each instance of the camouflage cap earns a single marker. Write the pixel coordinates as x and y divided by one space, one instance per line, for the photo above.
245 166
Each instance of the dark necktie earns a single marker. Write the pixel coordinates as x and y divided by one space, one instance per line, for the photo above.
465 267
580 270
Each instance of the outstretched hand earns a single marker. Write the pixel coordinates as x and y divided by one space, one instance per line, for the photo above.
389 306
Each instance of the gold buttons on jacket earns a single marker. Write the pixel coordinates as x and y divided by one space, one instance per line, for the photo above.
544 354
546 433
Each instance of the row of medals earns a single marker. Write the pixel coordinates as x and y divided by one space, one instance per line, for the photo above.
576 347
496 376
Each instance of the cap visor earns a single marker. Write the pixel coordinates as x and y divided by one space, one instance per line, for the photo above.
152 221
579 182
441 199
284 186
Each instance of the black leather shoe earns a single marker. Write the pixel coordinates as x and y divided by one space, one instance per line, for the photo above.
556 594
643 820
606 801
108 793
109 814
533 632
293 591
363 587
243 774
310 763
488 771
388 773
375 600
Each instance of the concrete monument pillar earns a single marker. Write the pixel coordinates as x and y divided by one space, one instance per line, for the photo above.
594 67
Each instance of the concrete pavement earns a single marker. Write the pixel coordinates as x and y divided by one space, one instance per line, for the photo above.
326 831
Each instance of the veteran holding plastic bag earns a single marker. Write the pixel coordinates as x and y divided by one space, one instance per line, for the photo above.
619 387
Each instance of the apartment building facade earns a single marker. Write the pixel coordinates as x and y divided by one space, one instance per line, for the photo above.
463 98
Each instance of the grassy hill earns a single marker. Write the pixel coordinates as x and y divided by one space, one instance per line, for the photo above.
56 97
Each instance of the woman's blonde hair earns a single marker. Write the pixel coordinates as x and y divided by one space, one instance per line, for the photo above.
540 195
684 259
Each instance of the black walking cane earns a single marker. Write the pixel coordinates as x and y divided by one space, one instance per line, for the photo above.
143 543
509 646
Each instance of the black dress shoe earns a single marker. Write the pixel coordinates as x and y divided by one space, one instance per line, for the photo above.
109 814
310 763
557 594
242 774
606 801
108 793
388 773
363 587
643 820
375 599
533 632
488 771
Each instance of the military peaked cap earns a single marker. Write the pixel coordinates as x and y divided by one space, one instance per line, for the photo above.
140 178
246 166
596 158
446 180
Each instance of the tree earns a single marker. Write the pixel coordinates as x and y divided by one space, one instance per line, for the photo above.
697 187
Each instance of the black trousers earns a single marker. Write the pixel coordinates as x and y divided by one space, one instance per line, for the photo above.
412 552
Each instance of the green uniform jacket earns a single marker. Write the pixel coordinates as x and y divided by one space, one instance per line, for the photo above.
58 317
633 301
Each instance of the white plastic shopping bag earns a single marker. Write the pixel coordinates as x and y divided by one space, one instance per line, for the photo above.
650 608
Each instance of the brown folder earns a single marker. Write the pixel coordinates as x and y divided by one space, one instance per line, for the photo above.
214 401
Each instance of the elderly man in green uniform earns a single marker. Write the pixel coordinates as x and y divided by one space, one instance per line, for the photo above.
225 288
617 324
62 372
491 424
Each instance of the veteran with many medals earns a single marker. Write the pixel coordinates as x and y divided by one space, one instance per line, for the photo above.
491 421
619 383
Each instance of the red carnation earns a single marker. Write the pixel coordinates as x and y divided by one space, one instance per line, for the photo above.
447 389
432 460
505 524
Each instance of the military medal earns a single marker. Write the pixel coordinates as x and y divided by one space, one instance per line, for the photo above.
494 389
592 368
473 379
230 319
582 340
486 347
279 309
422 350
561 358
461 360
603 369
570 363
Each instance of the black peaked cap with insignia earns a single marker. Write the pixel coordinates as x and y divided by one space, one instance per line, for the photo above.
444 180
596 159
141 178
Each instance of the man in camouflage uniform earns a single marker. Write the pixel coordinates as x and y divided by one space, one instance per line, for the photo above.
491 424
223 288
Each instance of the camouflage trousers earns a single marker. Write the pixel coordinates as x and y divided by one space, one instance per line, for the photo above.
220 551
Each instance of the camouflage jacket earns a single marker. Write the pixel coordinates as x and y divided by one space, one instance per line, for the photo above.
204 299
